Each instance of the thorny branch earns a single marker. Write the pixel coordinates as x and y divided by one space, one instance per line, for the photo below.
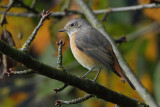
45 15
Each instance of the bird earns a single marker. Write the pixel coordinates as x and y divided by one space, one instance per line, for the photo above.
91 48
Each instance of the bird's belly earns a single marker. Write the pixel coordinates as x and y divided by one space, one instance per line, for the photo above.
85 60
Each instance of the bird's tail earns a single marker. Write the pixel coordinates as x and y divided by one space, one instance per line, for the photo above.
119 70
128 81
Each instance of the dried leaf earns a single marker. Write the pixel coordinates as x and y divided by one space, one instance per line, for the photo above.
7 37
5 62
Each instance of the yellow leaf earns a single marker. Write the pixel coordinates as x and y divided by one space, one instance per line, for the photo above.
151 51
146 81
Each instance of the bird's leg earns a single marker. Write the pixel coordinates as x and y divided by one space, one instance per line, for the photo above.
97 74
87 73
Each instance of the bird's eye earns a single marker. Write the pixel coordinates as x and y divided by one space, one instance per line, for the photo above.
72 24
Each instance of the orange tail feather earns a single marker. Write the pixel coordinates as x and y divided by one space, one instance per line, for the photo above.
119 70
121 73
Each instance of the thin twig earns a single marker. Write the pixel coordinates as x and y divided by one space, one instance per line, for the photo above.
45 15
108 10
60 65
59 60
74 101
121 39
3 19
33 3
105 15
66 4
143 92
20 4
24 72
10 5
97 74
128 8
53 14
30 15
60 89
27 7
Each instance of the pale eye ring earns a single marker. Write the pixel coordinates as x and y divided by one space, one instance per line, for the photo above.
72 24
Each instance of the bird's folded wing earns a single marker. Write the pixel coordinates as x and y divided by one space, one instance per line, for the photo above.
95 45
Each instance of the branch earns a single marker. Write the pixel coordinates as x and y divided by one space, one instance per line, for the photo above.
3 19
33 3
108 10
59 60
45 15
59 64
23 72
74 101
27 7
143 92
10 5
60 89
128 8
86 85
30 15
120 40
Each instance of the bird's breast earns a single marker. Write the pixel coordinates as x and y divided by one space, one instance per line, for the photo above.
85 60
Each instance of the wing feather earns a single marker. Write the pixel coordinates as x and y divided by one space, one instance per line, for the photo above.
95 45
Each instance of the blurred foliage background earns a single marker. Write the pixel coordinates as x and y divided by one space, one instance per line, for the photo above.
141 52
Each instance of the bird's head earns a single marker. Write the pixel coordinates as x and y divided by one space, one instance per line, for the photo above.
74 25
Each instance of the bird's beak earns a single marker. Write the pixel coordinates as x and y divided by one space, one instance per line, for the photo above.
62 30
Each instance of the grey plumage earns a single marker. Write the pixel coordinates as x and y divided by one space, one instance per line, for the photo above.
94 44
91 48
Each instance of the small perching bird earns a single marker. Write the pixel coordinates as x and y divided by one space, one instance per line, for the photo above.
91 48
